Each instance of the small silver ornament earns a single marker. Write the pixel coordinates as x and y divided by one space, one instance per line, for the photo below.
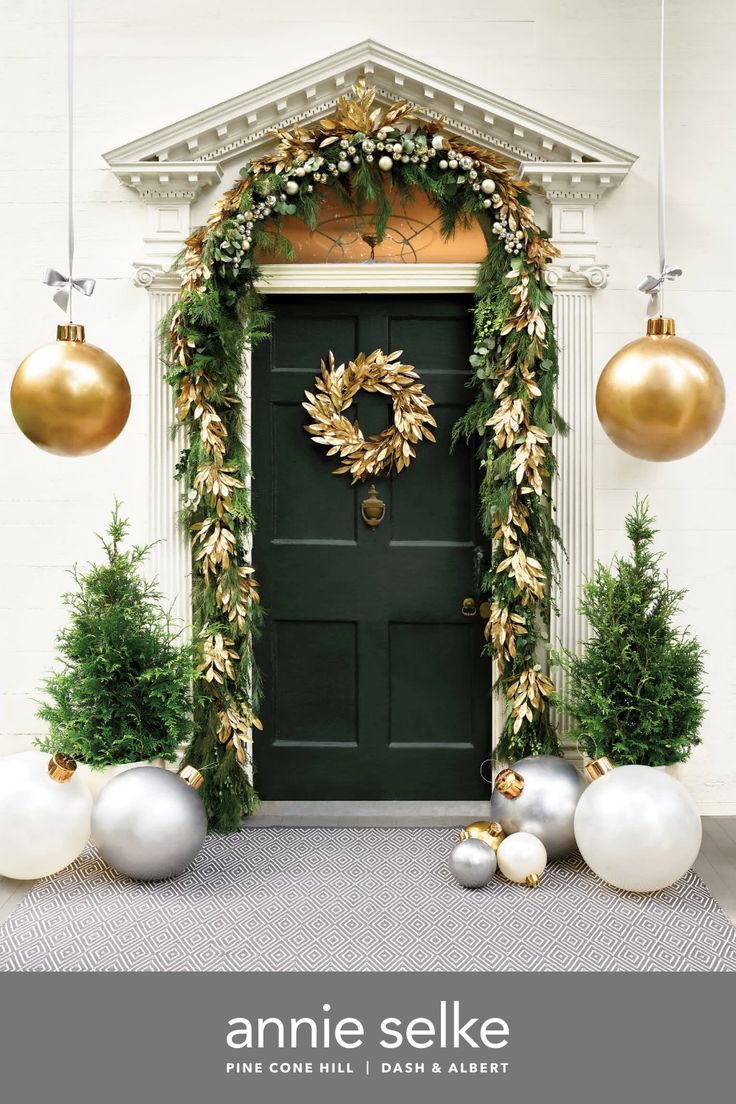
472 863
385 163
291 187
539 795
149 823
488 185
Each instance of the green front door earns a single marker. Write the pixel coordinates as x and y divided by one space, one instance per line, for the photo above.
374 682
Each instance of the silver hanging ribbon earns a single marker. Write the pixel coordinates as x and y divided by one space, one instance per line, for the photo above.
64 284
652 286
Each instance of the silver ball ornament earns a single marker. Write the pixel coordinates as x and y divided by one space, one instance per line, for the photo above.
472 863
385 163
148 823
542 803
291 187
488 185
637 827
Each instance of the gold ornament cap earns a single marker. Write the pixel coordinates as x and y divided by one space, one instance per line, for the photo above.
191 776
509 783
660 327
71 331
61 767
598 767
532 880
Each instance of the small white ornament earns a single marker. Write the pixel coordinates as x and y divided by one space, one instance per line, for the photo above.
437 141
343 166
486 203
488 185
452 163
299 170
385 163
397 147
291 186
443 164
522 858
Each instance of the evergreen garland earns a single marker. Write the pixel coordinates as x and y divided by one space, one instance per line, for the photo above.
511 415
635 693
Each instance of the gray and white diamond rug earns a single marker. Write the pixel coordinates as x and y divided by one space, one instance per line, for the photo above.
356 899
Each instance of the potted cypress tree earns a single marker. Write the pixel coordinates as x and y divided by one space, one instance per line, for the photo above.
122 694
635 693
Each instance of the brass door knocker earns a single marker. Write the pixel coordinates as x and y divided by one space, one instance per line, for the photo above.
372 508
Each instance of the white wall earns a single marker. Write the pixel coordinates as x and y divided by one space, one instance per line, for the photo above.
141 65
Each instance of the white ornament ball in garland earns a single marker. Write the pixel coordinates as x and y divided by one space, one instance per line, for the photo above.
291 187
472 863
443 164
299 170
452 163
437 141
488 185
486 203
385 163
44 815
637 827
522 858
343 166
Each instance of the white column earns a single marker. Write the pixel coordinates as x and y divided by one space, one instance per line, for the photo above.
170 560
572 490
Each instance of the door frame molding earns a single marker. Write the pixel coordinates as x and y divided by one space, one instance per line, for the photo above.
573 486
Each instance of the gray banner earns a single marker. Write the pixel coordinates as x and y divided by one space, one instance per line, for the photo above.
164 1038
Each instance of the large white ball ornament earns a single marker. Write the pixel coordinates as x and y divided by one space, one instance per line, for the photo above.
149 823
637 828
291 187
44 815
385 163
522 858
488 185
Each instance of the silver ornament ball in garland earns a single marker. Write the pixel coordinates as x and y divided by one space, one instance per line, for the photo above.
149 823
539 795
472 863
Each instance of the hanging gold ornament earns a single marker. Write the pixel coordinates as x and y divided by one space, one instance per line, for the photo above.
68 397
661 397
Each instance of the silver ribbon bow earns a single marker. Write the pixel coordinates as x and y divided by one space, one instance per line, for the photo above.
652 286
64 284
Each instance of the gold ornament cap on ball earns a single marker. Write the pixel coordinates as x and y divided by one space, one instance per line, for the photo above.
61 767
660 397
68 397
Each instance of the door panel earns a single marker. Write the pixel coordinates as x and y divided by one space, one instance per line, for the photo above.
374 682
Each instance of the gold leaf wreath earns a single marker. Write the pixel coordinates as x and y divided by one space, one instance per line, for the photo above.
335 389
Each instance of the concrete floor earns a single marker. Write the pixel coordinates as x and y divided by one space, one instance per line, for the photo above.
716 864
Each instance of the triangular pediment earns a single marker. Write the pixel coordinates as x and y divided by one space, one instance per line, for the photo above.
195 152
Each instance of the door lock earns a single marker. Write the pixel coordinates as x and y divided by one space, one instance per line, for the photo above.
469 608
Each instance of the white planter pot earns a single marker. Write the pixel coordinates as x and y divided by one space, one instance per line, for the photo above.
95 779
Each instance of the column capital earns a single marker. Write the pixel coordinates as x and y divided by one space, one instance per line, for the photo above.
570 275
155 277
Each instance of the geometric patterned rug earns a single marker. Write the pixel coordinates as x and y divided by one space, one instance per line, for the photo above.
379 899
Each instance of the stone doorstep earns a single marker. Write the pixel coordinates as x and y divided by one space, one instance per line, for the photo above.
368 814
